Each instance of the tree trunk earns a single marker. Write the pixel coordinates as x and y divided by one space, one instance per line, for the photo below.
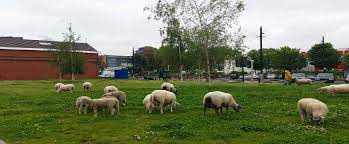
208 66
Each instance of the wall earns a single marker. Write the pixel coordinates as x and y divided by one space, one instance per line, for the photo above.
37 65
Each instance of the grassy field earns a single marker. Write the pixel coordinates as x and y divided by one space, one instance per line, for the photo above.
32 112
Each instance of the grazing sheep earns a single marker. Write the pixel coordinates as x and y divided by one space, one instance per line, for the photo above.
169 87
313 109
147 104
67 87
108 89
335 89
2 142
81 103
87 86
58 85
217 100
303 81
121 96
163 97
111 103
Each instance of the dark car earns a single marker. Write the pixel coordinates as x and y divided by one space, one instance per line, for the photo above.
328 77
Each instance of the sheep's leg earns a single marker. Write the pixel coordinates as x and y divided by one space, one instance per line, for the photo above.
226 109
112 111
80 107
85 109
95 110
221 109
302 114
204 110
216 110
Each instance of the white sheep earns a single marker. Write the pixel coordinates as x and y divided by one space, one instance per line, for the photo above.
162 97
303 81
87 86
108 89
67 87
169 87
147 104
217 100
57 85
81 102
121 96
335 89
313 109
111 103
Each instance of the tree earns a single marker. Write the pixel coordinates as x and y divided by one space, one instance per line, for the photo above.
267 58
139 63
207 22
345 60
288 58
324 56
67 57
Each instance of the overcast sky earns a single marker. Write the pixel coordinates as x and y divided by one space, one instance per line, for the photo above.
115 26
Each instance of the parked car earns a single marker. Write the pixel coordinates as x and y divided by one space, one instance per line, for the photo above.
271 76
298 76
105 75
312 77
328 77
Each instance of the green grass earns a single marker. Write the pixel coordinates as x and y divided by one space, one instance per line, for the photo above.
32 112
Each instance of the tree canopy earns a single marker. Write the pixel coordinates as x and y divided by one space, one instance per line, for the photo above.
324 56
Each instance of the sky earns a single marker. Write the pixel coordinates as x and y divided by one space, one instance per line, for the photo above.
117 26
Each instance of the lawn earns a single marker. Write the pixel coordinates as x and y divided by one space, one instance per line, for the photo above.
32 112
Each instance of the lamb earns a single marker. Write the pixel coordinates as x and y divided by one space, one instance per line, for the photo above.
217 100
169 87
335 89
67 87
313 109
162 97
303 81
108 89
87 86
121 96
111 103
57 85
81 103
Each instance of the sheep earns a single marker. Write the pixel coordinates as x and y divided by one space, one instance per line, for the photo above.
313 109
169 87
87 86
162 97
108 89
81 103
57 85
111 103
303 81
67 87
147 104
121 96
335 89
217 100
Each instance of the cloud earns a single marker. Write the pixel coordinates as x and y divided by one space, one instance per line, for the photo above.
115 26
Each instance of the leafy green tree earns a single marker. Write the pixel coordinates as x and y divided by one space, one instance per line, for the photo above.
288 58
67 57
267 58
139 63
207 23
324 56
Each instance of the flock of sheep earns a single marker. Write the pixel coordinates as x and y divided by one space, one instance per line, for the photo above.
309 108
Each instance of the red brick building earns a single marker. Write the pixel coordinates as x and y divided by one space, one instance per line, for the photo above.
22 59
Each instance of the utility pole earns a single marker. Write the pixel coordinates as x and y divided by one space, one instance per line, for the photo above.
323 41
133 62
261 51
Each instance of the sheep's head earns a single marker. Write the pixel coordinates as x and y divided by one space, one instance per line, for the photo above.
318 119
238 108
174 90
322 90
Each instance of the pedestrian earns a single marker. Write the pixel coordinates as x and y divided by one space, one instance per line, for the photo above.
287 77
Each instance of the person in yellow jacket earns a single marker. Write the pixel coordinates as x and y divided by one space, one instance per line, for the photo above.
287 77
